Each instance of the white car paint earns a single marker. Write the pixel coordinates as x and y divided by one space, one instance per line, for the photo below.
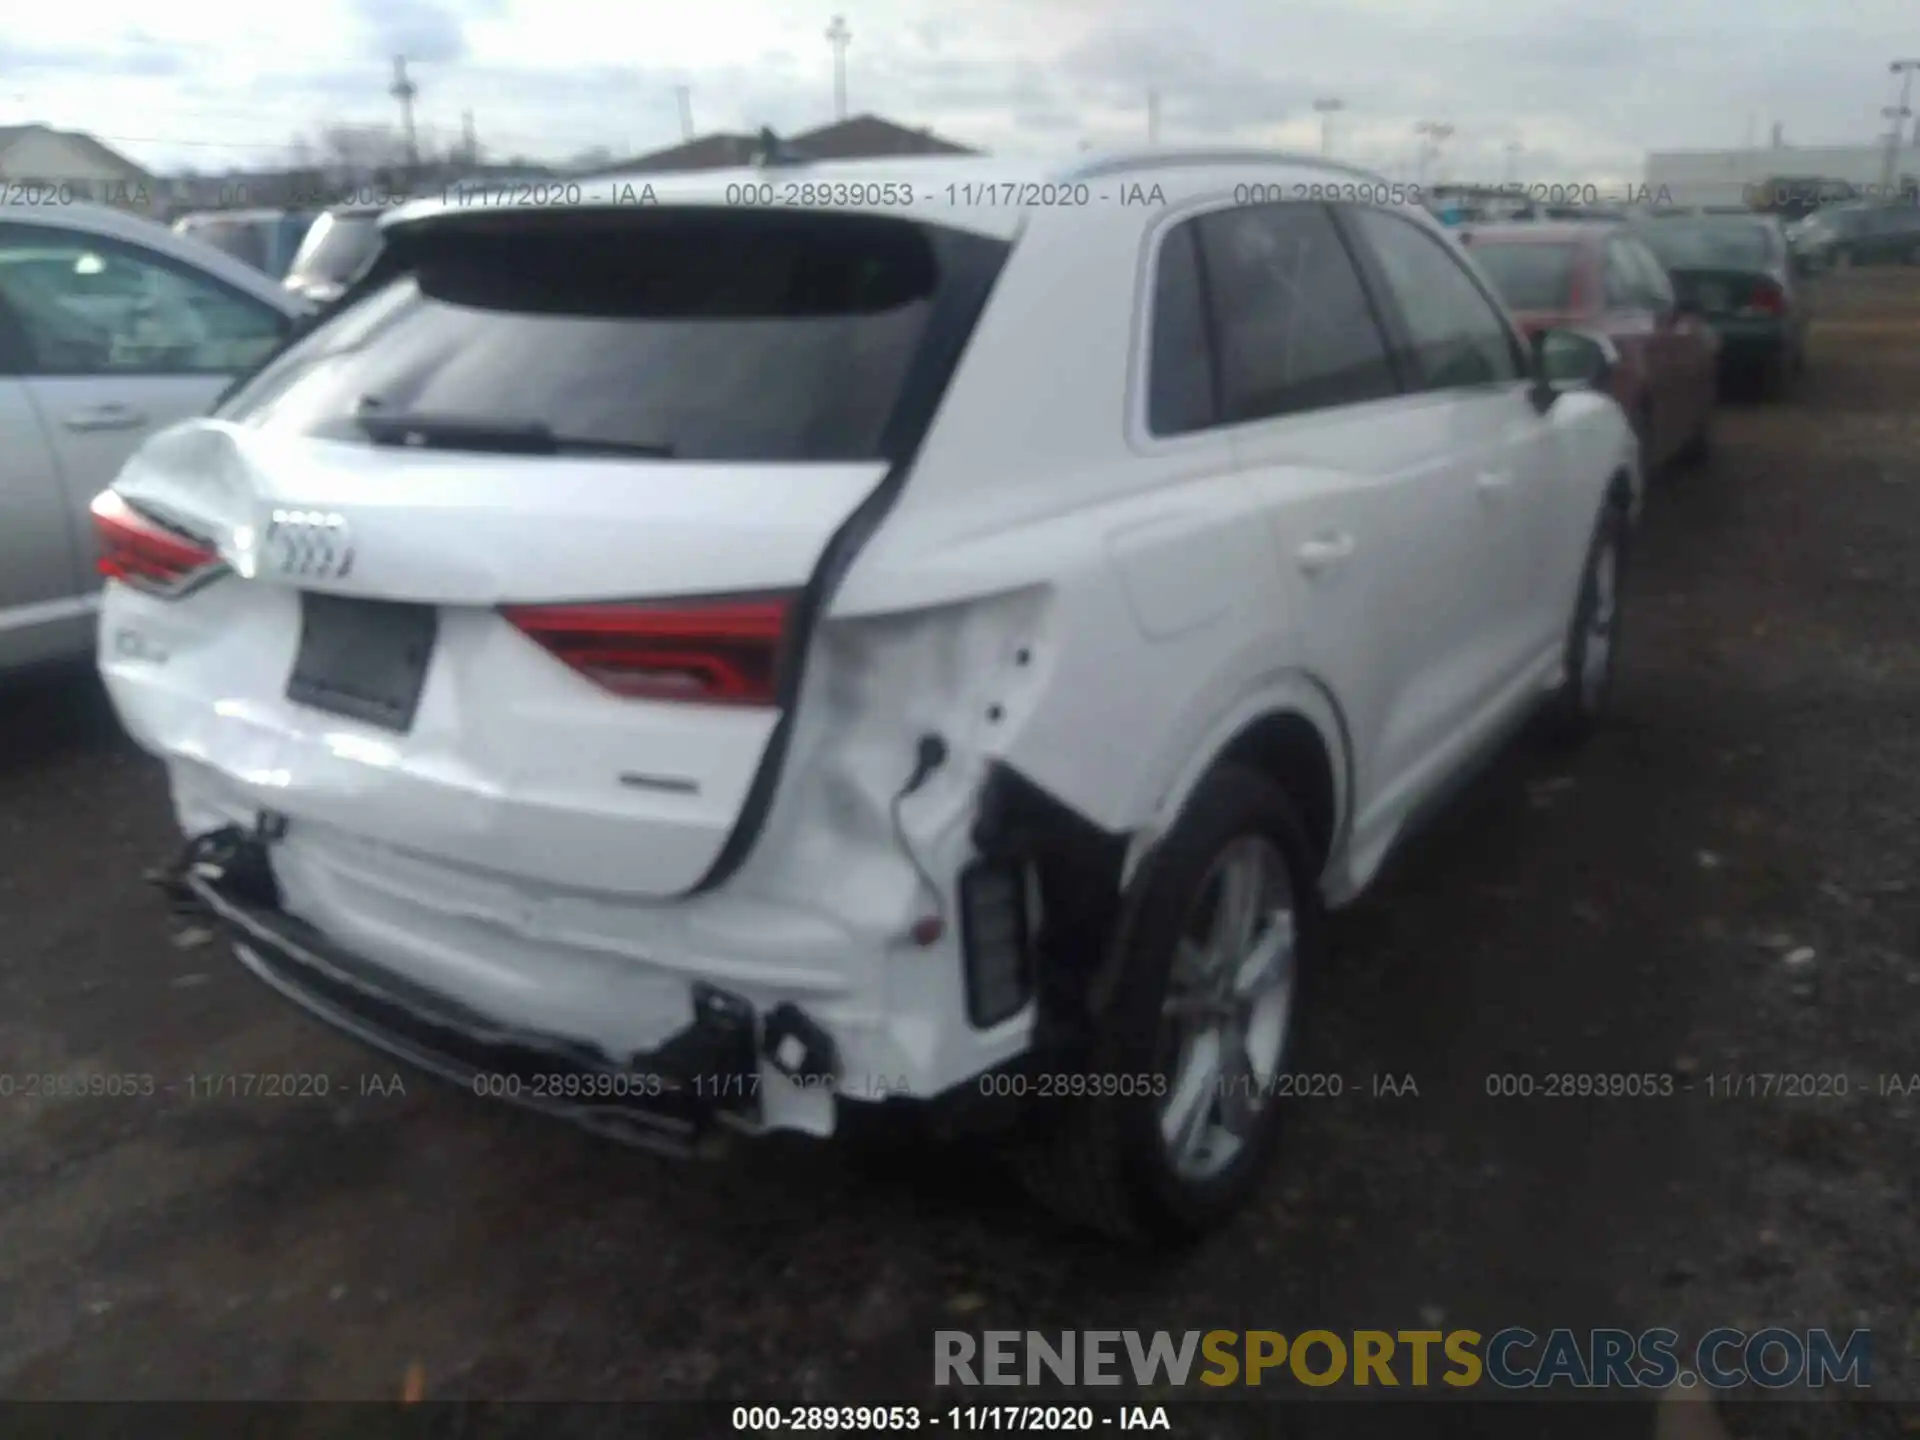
66 436
1053 590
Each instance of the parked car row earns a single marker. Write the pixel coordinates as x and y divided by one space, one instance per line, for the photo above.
1861 233
317 254
1692 301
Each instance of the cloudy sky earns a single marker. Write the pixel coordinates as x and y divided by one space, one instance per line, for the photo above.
1584 88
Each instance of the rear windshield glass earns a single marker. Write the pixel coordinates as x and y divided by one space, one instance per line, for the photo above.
689 335
1530 275
1699 244
337 248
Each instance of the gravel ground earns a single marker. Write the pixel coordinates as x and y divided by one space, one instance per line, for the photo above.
1723 883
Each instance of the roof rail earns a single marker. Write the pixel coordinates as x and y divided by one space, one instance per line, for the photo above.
1218 155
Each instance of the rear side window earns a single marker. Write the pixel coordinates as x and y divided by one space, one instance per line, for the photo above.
1292 326
1180 393
686 334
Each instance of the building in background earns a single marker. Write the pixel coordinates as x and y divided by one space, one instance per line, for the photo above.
1737 177
72 161
859 137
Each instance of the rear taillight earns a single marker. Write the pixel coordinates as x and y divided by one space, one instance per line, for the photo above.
145 553
1767 298
711 652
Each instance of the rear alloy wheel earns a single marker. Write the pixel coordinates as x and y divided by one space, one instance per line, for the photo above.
1594 634
1207 980
1228 1011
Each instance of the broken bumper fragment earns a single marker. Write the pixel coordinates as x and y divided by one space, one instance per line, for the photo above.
678 1097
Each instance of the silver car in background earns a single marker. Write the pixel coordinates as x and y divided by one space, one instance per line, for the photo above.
337 250
265 239
112 327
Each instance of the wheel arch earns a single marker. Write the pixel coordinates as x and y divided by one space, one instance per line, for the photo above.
1289 727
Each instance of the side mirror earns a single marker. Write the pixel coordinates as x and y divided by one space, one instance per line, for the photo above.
1566 360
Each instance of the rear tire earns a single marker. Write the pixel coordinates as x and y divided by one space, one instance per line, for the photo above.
1593 634
1123 1164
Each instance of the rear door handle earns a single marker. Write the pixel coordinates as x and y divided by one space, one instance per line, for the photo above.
1317 554
105 417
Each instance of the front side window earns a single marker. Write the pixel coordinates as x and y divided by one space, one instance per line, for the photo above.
1459 337
1529 274
1653 275
1626 286
1292 324
87 306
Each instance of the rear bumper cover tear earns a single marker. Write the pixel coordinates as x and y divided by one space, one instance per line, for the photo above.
678 1097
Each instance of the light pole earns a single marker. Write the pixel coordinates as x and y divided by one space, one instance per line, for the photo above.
838 36
1326 109
404 90
1436 133
1898 114
1153 117
1514 149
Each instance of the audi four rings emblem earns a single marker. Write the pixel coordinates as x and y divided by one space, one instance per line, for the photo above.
312 544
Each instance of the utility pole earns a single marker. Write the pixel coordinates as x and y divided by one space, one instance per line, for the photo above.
1514 149
1326 109
1153 117
404 90
685 92
469 141
1897 114
839 37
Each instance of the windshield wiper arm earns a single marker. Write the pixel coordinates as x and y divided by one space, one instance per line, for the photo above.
528 437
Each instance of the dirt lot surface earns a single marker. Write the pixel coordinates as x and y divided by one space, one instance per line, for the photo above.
1723 884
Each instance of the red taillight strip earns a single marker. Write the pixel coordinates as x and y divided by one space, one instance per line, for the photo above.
719 652
143 552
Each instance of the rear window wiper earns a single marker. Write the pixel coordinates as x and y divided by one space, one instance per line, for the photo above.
527 437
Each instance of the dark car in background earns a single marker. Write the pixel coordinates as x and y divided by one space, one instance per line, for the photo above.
265 239
1790 197
1737 271
1864 233
338 250
1597 276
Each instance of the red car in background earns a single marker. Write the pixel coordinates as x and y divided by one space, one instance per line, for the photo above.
1602 278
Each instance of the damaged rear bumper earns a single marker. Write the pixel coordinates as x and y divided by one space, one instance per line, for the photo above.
681 1097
